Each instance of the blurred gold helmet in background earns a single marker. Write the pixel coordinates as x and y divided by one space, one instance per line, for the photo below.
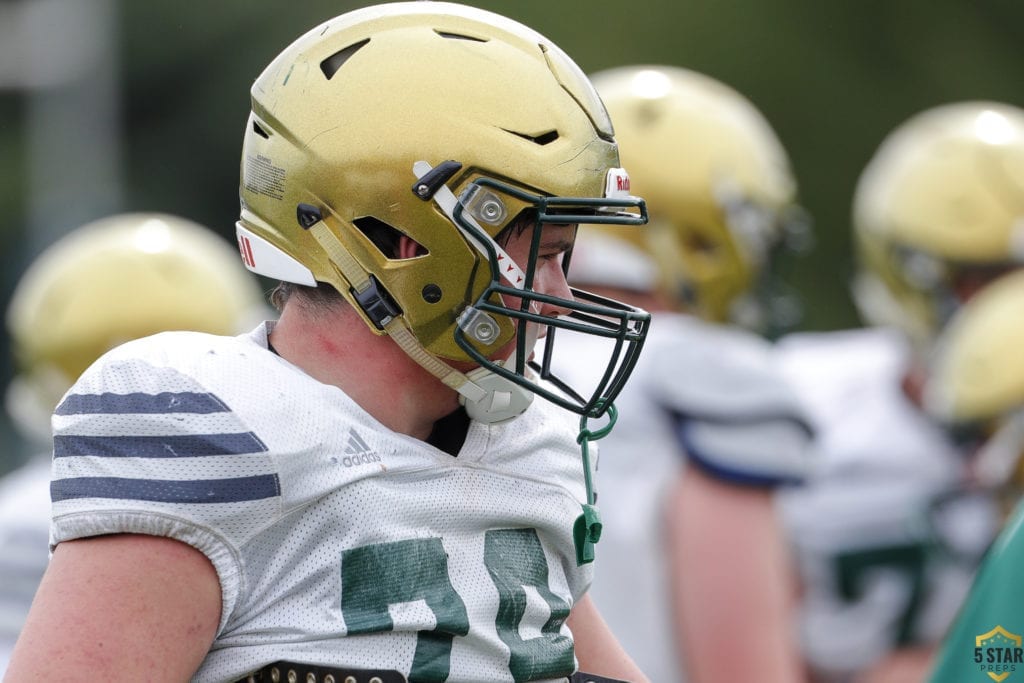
975 384
977 370
113 280
937 213
718 185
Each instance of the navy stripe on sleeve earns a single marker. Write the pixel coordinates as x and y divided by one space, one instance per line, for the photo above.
233 490
718 468
165 402
184 446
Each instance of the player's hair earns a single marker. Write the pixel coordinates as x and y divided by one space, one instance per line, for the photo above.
321 298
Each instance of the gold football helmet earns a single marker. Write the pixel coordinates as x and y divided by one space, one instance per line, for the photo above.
938 212
112 280
976 379
719 188
447 125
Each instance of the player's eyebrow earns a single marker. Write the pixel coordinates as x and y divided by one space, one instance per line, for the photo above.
556 244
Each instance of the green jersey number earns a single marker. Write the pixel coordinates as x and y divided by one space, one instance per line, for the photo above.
909 560
377 576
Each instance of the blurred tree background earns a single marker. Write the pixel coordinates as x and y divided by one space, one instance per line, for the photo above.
117 105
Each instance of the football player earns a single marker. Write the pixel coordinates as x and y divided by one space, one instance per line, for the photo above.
936 215
112 280
693 577
976 389
376 485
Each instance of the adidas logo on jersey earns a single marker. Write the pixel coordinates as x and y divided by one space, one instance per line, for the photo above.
357 452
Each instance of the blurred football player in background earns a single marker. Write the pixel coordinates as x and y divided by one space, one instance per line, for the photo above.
694 575
112 280
975 387
937 212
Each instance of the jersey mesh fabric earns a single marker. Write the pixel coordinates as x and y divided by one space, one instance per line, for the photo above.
337 541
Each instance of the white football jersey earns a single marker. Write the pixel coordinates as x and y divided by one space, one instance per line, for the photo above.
337 541
24 536
703 393
885 541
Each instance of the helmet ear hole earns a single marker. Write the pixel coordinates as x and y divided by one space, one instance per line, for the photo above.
388 239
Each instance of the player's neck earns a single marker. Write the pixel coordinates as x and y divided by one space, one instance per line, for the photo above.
338 349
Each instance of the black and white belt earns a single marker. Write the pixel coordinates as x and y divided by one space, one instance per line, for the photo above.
292 672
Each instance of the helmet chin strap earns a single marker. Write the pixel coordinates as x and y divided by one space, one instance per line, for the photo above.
487 397
504 399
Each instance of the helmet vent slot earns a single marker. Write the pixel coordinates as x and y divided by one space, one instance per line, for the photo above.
385 237
258 129
459 36
542 139
331 65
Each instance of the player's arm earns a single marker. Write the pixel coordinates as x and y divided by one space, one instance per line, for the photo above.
597 649
733 591
120 608
743 434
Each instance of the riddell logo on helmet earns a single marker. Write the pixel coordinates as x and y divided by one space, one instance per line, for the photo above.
617 183
245 248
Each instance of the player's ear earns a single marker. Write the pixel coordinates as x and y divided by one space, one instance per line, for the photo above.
409 248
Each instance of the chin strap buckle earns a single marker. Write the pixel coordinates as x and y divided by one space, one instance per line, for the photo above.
585 533
375 302
587 529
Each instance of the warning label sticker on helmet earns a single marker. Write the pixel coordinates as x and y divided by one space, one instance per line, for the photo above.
262 177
